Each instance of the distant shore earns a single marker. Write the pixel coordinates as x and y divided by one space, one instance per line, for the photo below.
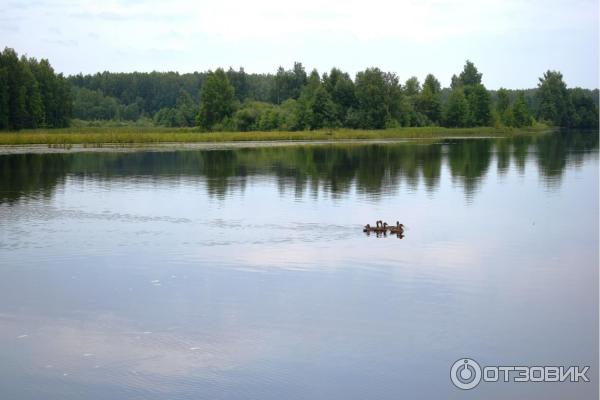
116 137
171 146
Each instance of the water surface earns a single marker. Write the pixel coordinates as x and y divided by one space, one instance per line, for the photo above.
244 273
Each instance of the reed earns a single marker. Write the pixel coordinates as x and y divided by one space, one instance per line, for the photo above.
140 135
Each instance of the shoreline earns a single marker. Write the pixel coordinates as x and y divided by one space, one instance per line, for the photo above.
131 139
190 146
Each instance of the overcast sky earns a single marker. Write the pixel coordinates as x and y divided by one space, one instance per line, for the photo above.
511 41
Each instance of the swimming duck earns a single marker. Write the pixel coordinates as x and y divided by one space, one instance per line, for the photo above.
381 227
399 228
377 228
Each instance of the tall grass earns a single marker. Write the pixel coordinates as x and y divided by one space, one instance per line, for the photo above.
142 135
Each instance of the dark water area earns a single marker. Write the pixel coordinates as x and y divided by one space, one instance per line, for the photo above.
245 274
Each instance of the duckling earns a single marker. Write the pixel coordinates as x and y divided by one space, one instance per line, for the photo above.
382 227
377 228
399 228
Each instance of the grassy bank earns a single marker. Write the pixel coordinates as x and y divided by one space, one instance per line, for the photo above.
134 135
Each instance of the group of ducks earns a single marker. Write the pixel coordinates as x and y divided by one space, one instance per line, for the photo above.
383 227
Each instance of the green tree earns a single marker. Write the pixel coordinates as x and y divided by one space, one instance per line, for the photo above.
412 87
248 116
432 84
186 108
166 117
585 109
93 105
519 111
455 83
289 84
239 81
553 98
131 112
502 101
400 108
469 75
457 109
304 104
502 106
410 110
30 109
183 114
371 94
281 87
340 87
479 111
429 102
217 99
4 110
322 110
16 89
288 116
31 94
54 92
480 105
300 79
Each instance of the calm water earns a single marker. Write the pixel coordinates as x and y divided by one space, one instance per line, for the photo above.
244 274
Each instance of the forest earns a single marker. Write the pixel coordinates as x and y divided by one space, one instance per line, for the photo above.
33 95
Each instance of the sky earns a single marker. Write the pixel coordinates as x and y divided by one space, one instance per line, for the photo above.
511 42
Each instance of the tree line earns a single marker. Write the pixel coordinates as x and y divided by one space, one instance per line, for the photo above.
377 100
32 95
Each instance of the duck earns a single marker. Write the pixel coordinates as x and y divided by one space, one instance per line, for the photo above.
369 228
399 228
379 226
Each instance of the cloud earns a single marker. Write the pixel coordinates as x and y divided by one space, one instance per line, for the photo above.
66 43
178 24
127 17
25 5
137 11
417 21
8 27
513 41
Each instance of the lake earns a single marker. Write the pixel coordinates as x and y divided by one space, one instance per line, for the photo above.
244 273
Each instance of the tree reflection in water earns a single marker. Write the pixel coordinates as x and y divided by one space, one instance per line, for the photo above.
373 169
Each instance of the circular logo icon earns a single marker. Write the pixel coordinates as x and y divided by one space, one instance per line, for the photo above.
465 373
